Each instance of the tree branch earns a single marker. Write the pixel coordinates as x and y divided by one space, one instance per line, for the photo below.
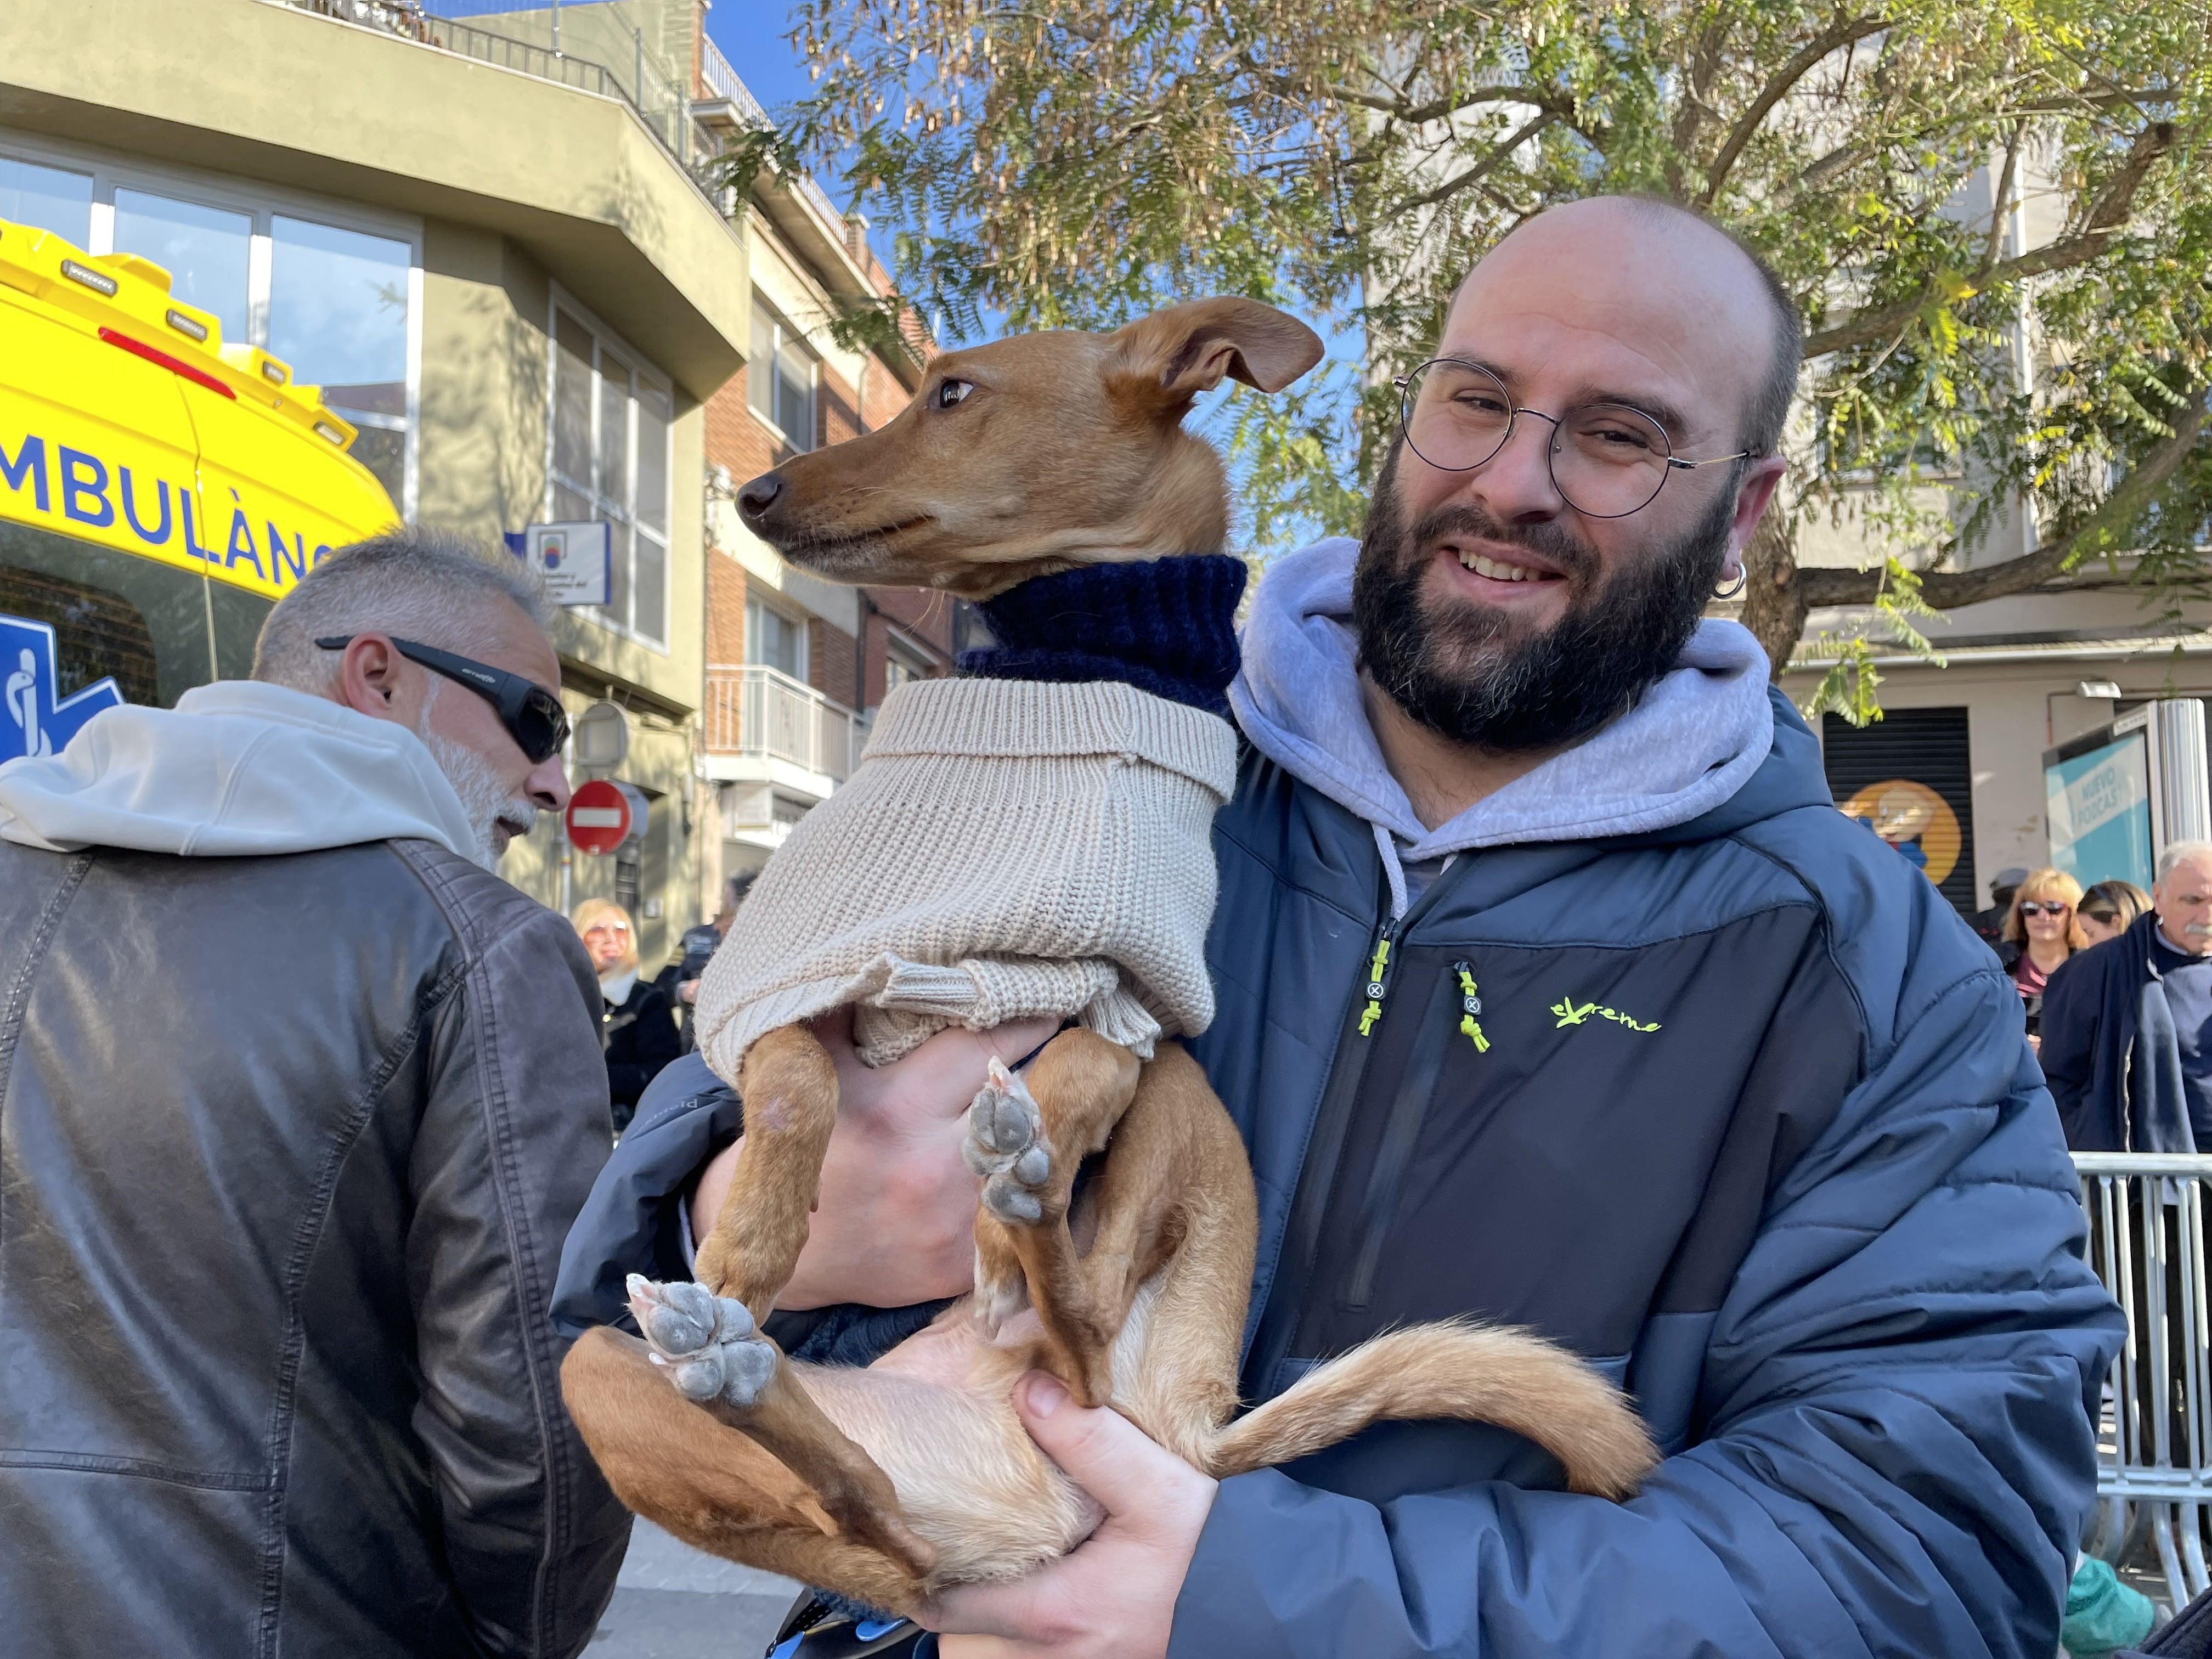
1475 175
1841 33
1947 589
2002 205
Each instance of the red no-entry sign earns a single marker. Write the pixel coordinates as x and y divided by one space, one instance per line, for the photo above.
603 815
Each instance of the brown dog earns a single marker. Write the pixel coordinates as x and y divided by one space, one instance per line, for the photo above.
1019 459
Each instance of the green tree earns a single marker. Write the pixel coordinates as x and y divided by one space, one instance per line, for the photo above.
1077 162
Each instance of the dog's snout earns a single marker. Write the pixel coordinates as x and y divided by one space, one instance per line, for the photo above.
762 493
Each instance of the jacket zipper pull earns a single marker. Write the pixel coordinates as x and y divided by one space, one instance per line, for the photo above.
1470 1004
1378 974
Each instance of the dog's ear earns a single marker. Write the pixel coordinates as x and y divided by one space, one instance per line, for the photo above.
1174 355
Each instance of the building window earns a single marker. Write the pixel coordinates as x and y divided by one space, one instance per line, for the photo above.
779 379
334 300
775 640
610 423
900 667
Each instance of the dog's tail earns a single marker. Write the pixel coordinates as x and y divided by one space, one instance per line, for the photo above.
1480 1373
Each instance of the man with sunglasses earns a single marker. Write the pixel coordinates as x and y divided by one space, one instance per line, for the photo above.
1551 989
297 1102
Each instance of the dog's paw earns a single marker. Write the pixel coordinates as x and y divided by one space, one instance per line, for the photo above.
707 1343
1007 1146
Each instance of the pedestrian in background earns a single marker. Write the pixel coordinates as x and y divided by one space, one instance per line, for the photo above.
2127 1028
636 1030
1990 923
279 1374
2039 933
679 981
2109 909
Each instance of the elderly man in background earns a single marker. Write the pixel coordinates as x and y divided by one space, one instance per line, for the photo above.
300 1101
2127 1028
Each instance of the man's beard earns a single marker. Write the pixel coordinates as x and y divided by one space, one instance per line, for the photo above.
1476 674
484 798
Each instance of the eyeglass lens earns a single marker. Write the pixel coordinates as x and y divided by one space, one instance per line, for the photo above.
540 726
2037 907
1608 460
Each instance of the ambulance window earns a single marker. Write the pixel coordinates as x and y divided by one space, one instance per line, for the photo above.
48 197
96 633
205 251
338 313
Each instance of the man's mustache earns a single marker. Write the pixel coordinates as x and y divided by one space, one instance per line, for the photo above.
1552 541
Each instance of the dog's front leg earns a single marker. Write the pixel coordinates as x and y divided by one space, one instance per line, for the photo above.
789 1087
1027 1138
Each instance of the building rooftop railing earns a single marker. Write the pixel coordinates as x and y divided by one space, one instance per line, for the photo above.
714 70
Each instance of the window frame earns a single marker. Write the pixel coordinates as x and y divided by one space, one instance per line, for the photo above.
263 204
606 342
784 334
798 620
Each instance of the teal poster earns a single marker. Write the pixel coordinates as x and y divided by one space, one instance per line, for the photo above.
2099 808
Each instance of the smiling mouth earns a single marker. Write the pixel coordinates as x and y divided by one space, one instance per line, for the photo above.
1497 569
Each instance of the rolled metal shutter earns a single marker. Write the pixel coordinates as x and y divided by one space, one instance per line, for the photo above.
1901 760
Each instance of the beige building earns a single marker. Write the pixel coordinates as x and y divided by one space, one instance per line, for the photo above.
2014 677
497 260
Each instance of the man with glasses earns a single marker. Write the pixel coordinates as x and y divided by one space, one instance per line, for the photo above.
297 1102
1552 990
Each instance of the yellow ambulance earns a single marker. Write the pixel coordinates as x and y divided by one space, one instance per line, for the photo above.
159 488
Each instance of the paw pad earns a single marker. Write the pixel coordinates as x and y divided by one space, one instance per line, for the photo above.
1006 1145
707 1344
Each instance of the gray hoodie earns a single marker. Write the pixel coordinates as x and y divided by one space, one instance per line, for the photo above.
238 769
1691 742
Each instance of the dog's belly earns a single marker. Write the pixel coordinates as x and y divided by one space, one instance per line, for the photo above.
937 1414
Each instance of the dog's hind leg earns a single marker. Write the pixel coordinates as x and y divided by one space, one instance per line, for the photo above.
709 1348
1026 1137
687 1472
789 1087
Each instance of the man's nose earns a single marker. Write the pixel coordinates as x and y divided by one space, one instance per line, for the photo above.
547 785
1515 483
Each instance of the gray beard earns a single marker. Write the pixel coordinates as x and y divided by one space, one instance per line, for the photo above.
484 797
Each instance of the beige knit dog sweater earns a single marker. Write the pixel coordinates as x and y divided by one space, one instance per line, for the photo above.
1006 849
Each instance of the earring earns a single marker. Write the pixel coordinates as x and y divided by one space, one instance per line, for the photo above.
1742 576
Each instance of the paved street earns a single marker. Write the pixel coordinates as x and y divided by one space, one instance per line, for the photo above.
674 1603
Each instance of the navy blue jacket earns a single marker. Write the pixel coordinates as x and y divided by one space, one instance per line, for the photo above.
2111 1054
1755 1129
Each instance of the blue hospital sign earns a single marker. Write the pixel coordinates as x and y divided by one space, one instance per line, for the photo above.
39 721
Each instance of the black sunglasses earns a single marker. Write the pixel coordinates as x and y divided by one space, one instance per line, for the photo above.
532 716
2040 907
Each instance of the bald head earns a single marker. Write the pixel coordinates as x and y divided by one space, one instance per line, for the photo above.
1699 303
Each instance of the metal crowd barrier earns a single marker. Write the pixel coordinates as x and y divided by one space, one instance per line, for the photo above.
2147 1242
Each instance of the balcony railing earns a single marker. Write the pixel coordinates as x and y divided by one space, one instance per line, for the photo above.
658 101
758 711
714 70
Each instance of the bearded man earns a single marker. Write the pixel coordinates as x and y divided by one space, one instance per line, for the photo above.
1665 1059
297 1101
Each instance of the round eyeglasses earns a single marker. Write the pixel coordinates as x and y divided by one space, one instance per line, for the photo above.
1607 460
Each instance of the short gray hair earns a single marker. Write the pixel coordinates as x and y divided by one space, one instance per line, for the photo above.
2178 853
420 584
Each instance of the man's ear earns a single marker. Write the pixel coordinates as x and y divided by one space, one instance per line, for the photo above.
1170 356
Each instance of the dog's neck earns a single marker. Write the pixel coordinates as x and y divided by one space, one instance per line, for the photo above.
1166 626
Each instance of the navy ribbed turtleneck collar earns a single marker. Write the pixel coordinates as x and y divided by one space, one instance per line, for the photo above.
1166 626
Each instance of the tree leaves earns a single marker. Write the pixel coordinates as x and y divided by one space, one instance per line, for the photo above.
1997 218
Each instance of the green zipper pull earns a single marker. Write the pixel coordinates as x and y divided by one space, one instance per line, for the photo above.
1377 981
1470 1003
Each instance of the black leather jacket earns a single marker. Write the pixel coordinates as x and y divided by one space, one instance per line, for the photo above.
287 1150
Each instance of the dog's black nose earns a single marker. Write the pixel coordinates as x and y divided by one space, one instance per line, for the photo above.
758 496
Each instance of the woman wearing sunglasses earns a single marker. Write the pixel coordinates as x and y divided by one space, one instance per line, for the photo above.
2041 931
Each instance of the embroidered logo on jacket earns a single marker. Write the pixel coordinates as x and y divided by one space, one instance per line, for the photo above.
1572 1012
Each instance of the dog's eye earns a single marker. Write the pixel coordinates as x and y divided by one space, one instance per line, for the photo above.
950 392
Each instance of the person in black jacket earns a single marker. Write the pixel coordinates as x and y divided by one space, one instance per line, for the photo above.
636 1029
276 1371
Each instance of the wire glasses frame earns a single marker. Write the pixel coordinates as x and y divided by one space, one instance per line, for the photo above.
532 716
1606 460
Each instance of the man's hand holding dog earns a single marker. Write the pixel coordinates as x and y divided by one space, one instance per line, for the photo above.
894 1170
1115 1596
